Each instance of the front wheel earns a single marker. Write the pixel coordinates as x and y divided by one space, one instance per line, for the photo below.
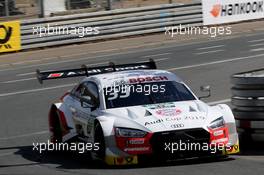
99 138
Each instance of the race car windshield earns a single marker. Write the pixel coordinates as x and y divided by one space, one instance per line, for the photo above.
146 93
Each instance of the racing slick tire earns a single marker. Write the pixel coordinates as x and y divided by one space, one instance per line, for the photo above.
55 126
245 137
99 138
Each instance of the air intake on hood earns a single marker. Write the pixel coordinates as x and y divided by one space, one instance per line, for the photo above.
147 113
192 109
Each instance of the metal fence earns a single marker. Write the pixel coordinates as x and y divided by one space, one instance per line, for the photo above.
34 8
111 24
118 4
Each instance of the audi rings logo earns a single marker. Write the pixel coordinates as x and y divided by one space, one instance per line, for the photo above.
177 125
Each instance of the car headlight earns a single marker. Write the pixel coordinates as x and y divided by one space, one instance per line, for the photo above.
217 123
125 132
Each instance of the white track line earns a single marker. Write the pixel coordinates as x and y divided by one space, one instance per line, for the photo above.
24 62
254 45
7 154
173 45
33 78
210 47
219 102
161 59
208 52
25 74
171 69
19 80
216 62
257 49
257 40
32 73
24 135
36 90
29 73
156 55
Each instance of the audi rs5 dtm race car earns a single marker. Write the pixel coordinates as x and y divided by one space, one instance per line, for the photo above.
132 111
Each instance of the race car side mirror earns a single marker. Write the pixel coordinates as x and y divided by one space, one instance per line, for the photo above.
88 102
205 89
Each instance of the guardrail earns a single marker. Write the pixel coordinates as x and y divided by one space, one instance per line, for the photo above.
248 100
113 24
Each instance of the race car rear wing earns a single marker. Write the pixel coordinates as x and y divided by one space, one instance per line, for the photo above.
88 71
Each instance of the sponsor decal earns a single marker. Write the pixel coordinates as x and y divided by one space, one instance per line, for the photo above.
237 8
177 125
147 79
111 160
111 69
168 112
233 149
216 10
170 119
194 118
173 119
159 106
226 11
10 36
55 75
154 122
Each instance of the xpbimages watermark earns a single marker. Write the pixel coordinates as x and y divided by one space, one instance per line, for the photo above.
51 30
213 32
193 146
76 147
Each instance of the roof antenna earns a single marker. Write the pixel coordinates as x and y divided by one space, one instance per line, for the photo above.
112 65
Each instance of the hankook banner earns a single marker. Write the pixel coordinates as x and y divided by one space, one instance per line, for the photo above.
226 11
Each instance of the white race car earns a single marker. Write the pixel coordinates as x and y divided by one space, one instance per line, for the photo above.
131 112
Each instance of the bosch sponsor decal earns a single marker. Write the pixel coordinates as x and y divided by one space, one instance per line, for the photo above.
147 79
136 80
225 11
168 112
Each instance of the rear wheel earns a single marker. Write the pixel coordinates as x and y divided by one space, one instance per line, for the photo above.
99 138
55 127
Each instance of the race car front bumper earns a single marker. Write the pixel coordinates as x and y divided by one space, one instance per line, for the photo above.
167 146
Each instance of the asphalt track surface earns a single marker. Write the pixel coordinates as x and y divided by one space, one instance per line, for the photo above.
24 105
